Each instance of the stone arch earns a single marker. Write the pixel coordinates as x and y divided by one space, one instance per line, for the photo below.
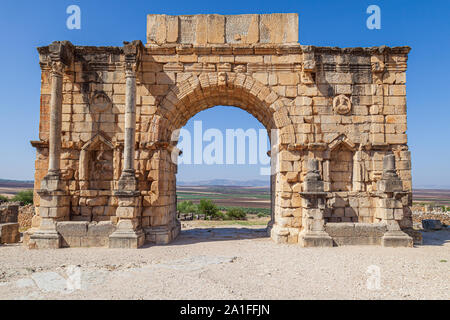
187 98
197 93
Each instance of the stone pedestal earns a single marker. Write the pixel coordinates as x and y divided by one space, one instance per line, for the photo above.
54 206
390 207
313 233
128 233
396 239
162 234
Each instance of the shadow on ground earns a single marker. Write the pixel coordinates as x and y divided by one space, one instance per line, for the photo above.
436 238
196 235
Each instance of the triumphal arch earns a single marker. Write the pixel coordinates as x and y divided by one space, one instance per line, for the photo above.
341 169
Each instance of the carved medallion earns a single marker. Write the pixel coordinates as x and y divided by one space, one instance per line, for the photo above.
342 104
100 102
222 79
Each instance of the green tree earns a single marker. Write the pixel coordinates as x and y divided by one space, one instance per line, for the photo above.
208 208
26 197
186 207
236 214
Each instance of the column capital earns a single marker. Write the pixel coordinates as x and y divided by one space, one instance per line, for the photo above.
57 54
57 68
133 52
131 69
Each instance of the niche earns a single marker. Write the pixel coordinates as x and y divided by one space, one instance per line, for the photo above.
96 164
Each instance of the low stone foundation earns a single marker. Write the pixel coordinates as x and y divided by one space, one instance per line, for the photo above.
71 234
163 234
356 233
85 234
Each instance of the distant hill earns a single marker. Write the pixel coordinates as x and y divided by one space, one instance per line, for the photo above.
226 182
5 183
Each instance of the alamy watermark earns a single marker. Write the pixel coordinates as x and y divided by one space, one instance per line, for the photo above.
73 22
374 280
73 281
230 149
374 20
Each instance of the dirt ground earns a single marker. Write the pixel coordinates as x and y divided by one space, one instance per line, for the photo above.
229 262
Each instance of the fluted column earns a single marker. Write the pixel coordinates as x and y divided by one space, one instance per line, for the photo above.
127 180
130 120
55 120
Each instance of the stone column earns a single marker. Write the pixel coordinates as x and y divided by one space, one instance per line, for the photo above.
129 232
55 120
313 207
128 180
54 204
390 208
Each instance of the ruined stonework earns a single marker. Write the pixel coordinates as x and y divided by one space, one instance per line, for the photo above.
340 160
9 227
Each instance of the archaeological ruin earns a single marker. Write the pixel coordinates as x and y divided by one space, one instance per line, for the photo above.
340 160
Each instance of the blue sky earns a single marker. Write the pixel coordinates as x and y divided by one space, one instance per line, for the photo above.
423 25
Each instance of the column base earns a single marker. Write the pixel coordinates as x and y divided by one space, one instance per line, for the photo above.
127 239
315 239
45 239
396 239
162 234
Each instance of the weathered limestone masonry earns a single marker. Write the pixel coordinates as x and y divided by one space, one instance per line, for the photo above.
341 165
9 227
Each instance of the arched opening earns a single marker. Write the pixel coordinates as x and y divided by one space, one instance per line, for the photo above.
183 101
224 175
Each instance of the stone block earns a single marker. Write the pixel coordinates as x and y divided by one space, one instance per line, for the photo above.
127 212
72 228
9 213
315 239
45 239
127 239
431 225
396 239
9 233
100 229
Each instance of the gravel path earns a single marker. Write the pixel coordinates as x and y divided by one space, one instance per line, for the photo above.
229 263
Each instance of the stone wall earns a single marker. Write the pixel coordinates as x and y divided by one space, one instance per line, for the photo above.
25 216
9 213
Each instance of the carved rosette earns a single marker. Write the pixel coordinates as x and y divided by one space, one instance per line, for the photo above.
100 102
342 104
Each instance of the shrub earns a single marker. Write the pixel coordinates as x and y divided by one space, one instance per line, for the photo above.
26 197
187 207
209 209
3 199
261 215
236 214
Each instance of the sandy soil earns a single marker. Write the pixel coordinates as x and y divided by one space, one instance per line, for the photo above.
229 263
